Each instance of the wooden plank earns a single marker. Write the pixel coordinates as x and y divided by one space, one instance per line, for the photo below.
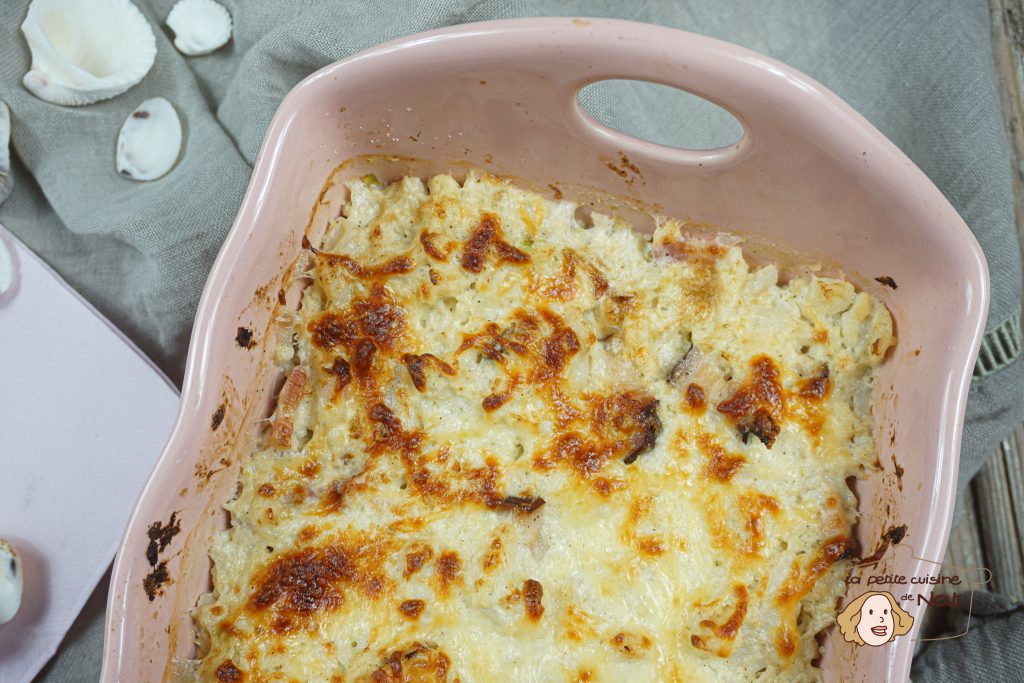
999 533
1008 56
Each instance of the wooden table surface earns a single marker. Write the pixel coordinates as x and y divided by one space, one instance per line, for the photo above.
991 531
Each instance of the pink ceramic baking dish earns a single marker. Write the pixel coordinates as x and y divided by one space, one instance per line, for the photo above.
809 173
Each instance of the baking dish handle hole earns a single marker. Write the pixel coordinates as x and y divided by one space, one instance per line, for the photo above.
660 114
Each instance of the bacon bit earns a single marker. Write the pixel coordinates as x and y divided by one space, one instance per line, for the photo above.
695 398
419 664
415 560
310 468
227 672
816 387
533 594
631 644
342 375
448 569
291 393
698 642
722 466
412 608
486 234
267 490
415 364
522 504
427 240
757 406
396 266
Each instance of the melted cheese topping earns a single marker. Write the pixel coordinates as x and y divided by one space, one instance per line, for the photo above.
515 447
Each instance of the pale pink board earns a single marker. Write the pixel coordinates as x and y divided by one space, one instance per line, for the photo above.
809 173
84 415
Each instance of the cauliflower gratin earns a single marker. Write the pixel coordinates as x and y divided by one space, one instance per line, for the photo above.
511 446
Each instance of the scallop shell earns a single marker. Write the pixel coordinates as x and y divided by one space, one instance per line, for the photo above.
11 585
84 51
6 181
149 141
200 26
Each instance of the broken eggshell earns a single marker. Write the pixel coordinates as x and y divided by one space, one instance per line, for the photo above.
6 182
84 51
11 585
150 140
200 26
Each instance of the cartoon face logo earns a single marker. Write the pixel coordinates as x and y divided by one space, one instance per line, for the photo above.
874 619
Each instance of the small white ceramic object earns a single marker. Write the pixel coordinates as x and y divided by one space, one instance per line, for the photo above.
84 51
200 26
11 584
150 140
6 182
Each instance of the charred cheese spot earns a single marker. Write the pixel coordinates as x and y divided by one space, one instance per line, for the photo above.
376 317
695 398
300 584
396 266
418 664
722 466
493 556
416 558
227 672
448 570
412 608
757 406
533 596
631 645
488 236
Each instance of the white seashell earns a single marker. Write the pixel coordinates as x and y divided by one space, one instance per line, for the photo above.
84 51
200 26
150 140
11 585
6 181
6 269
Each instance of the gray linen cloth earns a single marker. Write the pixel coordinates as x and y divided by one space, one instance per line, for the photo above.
921 71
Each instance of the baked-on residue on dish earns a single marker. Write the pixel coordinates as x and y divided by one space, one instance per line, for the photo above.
514 447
